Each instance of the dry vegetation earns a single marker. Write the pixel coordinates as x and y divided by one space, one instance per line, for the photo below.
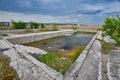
80 27
6 72
61 61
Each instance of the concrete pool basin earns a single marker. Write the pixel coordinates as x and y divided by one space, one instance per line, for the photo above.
48 72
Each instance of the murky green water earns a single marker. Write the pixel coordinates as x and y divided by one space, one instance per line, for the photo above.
62 43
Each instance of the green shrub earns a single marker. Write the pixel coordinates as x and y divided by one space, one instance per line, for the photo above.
19 25
117 39
42 25
34 25
48 58
54 61
1 26
31 24
112 27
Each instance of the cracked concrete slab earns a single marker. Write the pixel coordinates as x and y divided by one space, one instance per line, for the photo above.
26 68
4 46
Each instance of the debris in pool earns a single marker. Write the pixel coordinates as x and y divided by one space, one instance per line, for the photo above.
62 49
63 58
49 47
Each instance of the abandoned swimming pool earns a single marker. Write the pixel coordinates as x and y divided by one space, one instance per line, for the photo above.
62 51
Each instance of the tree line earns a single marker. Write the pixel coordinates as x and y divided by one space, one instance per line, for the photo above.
23 25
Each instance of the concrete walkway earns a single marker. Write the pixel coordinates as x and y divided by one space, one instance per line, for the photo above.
90 69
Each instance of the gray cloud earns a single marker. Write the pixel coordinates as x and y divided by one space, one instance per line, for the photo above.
80 18
62 11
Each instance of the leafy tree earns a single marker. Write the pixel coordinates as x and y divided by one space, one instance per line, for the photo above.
112 26
31 24
118 25
42 25
1 26
19 25
34 25
107 23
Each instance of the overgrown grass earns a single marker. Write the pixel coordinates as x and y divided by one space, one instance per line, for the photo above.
58 62
73 55
116 37
6 72
84 32
45 30
49 29
28 31
48 58
107 46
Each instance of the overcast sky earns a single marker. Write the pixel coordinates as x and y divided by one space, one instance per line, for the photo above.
59 11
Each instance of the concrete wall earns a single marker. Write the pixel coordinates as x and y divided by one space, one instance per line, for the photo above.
27 38
18 31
